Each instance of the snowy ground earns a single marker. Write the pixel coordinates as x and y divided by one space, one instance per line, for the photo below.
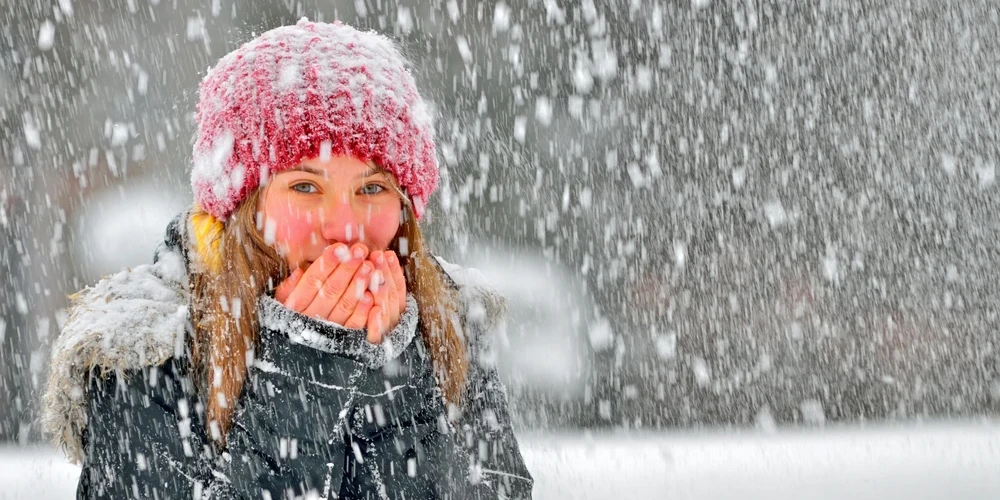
954 461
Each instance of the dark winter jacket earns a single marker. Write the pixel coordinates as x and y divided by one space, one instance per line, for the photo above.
323 414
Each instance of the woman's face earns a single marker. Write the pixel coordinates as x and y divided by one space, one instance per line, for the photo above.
321 202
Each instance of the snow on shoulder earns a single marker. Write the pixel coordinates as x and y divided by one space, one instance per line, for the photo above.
484 308
133 319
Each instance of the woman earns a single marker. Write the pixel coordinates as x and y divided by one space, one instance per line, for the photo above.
293 337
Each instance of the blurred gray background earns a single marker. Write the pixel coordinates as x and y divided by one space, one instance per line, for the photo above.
705 213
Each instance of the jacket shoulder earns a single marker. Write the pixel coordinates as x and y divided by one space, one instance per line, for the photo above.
128 321
163 385
482 307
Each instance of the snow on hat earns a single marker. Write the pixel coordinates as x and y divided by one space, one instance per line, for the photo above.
300 91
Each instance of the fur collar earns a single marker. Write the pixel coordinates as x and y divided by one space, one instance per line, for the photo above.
130 320
138 318
331 337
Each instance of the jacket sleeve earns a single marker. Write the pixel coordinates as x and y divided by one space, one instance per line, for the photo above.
485 430
488 437
142 438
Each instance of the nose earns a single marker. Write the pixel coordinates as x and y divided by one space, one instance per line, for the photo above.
342 221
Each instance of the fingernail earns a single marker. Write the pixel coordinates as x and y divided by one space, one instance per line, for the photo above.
359 253
329 255
381 258
365 268
392 257
342 253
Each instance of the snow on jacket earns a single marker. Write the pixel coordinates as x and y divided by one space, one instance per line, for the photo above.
323 414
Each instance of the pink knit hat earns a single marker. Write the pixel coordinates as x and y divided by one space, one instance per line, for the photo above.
297 91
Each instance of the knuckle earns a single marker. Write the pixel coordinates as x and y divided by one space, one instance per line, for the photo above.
332 288
343 309
313 281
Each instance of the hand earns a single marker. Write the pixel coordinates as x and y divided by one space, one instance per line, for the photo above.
388 287
333 288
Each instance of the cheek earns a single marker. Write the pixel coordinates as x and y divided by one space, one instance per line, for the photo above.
381 228
294 230
297 230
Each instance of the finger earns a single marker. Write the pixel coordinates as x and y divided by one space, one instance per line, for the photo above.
382 302
375 284
352 296
392 300
392 310
317 273
359 318
375 325
387 320
337 284
285 287
399 279
378 258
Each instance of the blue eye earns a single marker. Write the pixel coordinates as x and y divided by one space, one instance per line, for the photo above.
304 187
372 189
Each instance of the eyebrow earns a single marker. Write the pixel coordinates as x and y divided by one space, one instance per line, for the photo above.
371 171
303 168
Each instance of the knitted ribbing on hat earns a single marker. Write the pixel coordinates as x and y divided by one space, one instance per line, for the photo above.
303 91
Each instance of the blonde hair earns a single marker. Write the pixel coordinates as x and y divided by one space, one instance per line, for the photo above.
224 304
